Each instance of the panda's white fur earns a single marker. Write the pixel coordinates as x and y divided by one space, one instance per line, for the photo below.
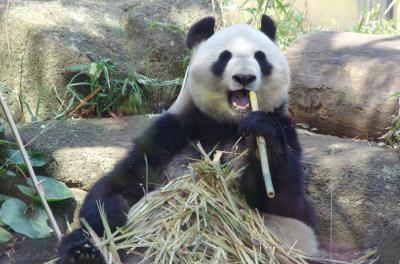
293 233
208 93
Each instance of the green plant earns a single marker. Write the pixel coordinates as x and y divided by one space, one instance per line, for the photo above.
25 215
392 136
33 108
95 87
103 90
371 21
34 114
290 22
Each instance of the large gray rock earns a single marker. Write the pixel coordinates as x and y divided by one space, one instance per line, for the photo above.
82 150
156 31
354 184
341 82
389 246
40 38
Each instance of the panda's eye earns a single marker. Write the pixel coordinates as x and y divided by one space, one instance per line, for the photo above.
218 67
265 66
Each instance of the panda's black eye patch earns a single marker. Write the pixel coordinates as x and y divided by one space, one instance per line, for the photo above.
265 66
218 67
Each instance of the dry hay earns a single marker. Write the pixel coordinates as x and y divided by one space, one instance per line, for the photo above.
199 217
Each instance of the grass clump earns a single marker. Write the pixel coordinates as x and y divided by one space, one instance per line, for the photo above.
392 136
99 89
200 218
372 22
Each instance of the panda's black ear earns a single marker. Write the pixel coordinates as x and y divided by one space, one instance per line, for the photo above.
268 27
200 31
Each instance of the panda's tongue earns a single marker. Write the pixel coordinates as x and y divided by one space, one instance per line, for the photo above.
240 100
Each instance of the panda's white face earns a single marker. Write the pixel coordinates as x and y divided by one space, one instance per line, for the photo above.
230 63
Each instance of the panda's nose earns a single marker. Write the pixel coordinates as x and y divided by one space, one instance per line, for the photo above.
244 79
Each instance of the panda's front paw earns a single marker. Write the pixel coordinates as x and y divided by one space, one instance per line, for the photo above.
77 249
260 123
82 254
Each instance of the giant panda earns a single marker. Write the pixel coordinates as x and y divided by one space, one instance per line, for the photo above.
213 108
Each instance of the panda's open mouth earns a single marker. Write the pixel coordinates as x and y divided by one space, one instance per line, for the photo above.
239 100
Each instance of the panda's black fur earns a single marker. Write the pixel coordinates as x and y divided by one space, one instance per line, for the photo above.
172 132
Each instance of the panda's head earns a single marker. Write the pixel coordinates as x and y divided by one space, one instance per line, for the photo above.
227 64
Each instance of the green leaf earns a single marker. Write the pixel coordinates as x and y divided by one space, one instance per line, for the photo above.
37 158
54 190
9 174
3 142
78 84
93 69
13 212
4 235
1 130
4 198
14 156
33 116
77 67
123 89
28 191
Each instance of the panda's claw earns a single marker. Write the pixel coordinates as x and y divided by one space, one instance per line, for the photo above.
87 254
82 256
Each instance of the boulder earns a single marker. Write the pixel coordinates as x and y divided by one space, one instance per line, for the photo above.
342 82
40 38
389 246
156 33
354 184
82 150
29 251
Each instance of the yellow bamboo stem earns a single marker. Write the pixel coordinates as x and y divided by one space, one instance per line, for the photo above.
262 150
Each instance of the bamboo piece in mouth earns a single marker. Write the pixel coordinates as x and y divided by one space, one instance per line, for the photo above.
262 150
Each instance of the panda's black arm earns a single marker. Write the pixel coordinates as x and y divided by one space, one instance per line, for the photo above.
284 156
126 183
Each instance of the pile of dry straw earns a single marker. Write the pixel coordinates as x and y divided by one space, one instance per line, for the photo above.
199 217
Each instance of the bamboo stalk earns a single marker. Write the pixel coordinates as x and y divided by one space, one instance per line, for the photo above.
262 150
84 101
38 189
